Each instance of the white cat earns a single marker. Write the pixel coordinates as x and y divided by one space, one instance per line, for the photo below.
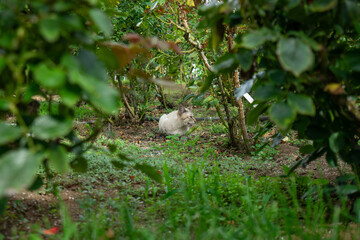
177 122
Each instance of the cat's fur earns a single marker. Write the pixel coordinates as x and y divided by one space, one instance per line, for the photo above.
177 122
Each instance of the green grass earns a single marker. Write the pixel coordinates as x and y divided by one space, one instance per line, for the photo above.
205 195
81 112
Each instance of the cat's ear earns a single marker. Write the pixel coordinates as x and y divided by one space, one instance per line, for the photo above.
181 110
190 108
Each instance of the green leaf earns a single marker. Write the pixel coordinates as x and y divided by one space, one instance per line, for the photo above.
356 210
8 133
51 78
18 169
225 63
46 127
149 171
351 61
36 184
207 83
307 149
294 55
253 115
124 157
99 93
105 98
102 21
70 95
244 88
322 5
170 193
292 3
347 189
4 105
319 181
331 159
112 147
277 76
244 58
118 164
286 169
258 37
266 92
336 142
302 104
50 29
58 159
80 164
282 114
353 9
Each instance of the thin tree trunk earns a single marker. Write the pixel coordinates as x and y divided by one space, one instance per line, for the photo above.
123 97
240 105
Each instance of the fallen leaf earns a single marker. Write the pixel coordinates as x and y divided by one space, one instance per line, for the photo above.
51 231
334 88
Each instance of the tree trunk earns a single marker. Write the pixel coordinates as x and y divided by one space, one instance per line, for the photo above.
240 105
128 108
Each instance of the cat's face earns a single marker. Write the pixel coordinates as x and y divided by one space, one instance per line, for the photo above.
187 116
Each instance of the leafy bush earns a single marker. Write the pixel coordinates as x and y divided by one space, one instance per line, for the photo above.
308 55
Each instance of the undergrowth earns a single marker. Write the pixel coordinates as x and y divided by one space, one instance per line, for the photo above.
206 194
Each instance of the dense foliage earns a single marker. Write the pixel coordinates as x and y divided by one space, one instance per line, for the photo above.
309 52
59 49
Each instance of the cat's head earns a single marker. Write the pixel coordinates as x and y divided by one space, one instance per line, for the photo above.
186 115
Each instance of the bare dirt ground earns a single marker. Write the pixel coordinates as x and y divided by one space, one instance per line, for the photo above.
27 208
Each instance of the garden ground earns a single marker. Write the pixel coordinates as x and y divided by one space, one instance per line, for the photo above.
206 148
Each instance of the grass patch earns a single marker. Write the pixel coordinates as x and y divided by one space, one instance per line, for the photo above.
206 195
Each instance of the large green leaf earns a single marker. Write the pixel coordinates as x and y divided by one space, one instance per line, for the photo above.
306 149
207 83
302 104
253 115
258 37
100 93
266 92
51 78
294 55
102 21
8 133
80 164
277 76
322 5
18 169
282 114
336 142
46 127
244 88
105 98
69 95
245 58
58 159
331 159
351 61
50 29
149 171
225 63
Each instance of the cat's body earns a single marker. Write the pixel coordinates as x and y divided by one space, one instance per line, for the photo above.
176 122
